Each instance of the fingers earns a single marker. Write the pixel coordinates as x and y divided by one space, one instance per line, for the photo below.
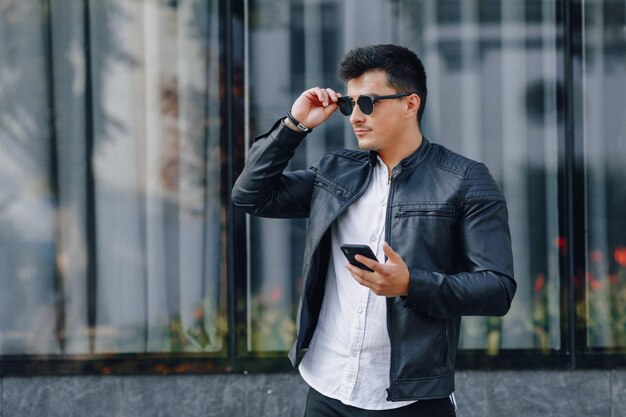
368 279
368 262
321 96
314 106
389 279
360 275
390 253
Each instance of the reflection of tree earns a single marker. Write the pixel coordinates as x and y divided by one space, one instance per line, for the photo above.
185 175
604 281
272 326
16 120
105 17
26 191
78 63
191 165
605 284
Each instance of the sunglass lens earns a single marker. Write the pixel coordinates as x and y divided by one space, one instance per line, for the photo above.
345 105
366 104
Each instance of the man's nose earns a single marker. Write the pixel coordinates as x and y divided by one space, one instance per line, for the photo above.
356 116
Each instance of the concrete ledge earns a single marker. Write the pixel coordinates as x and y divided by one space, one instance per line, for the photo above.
479 394
535 393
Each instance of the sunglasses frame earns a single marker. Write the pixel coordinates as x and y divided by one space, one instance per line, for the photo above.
371 100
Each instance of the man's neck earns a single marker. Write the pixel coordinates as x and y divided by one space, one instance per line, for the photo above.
393 156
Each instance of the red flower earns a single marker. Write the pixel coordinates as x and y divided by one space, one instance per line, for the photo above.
620 255
561 244
276 295
594 283
198 313
540 282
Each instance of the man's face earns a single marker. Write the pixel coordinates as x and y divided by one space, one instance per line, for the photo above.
376 131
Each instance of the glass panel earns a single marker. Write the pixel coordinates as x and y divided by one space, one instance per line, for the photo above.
27 233
604 72
157 170
139 165
493 96
494 90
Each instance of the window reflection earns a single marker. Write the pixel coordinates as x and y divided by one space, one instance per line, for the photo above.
604 71
27 232
116 150
112 216
157 173
494 90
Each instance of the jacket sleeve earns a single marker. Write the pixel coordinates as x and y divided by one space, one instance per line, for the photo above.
263 188
485 285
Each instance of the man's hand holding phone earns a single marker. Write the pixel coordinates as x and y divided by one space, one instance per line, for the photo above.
390 279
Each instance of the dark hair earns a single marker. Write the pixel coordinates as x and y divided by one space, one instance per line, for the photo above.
405 71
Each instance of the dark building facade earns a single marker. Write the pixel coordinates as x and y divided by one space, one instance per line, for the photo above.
131 285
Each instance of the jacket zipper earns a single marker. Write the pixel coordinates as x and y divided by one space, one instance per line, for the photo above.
417 212
335 190
390 393
444 349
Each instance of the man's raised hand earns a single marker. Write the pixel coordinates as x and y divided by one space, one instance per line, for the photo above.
313 107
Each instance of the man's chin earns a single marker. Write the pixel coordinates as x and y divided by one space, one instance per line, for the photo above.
366 145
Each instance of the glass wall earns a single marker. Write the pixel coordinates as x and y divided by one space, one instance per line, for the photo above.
112 209
123 124
493 84
27 200
603 312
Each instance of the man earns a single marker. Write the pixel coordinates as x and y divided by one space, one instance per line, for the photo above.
383 342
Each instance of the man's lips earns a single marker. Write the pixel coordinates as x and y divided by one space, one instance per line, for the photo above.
361 130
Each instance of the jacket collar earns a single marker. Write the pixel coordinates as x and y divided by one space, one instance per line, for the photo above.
410 161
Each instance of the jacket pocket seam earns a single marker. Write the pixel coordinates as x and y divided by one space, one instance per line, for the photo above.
426 210
329 186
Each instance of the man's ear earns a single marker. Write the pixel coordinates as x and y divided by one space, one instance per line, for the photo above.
413 104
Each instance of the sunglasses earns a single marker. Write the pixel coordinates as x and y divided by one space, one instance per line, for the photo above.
365 103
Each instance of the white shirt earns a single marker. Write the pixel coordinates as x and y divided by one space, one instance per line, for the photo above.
349 356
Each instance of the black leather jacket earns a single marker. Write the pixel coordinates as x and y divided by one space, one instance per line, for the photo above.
446 217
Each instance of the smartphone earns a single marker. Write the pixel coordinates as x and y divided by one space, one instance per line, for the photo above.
350 250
